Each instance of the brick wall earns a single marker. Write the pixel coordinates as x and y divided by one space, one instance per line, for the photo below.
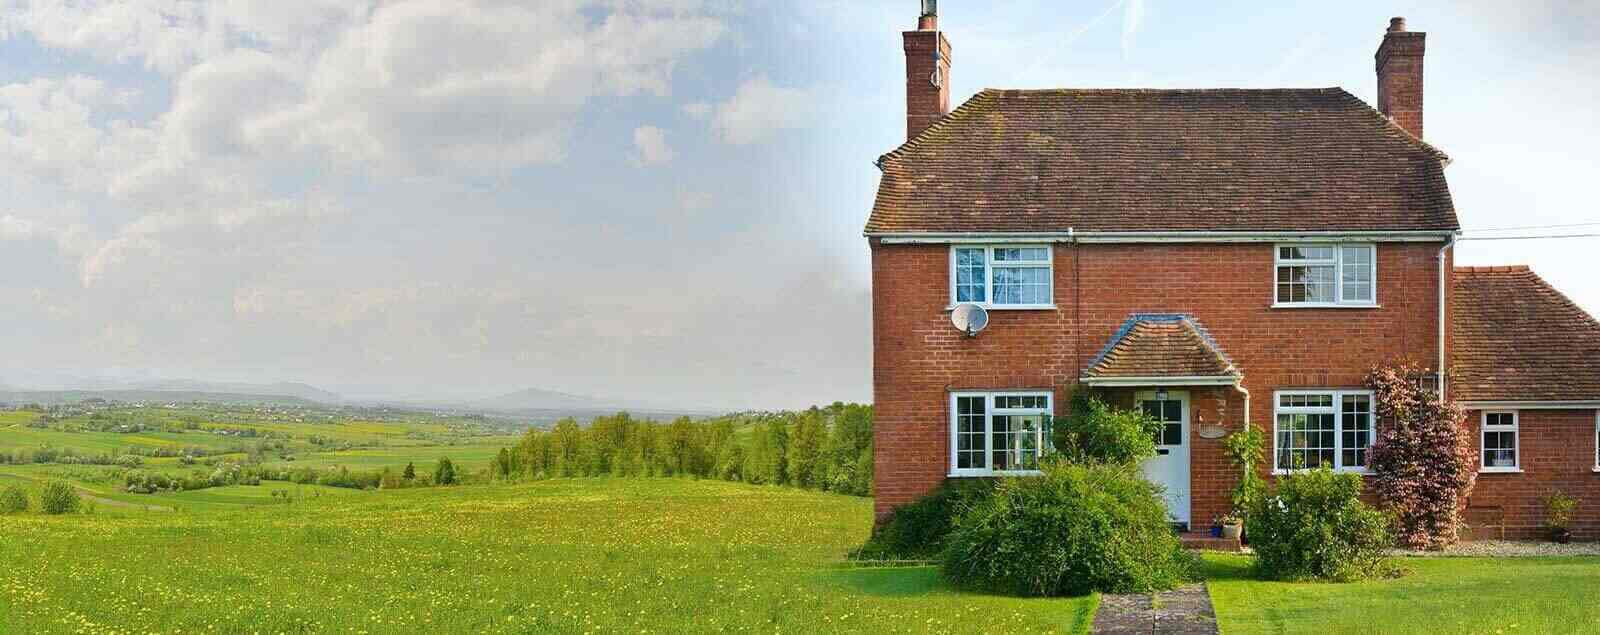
1557 452
918 358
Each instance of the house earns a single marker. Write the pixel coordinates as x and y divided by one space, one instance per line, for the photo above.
1219 258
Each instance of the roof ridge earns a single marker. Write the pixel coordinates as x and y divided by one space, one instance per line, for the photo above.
1493 269
1152 90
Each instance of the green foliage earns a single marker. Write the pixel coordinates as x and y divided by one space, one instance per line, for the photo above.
444 473
1095 432
917 530
59 497
1559 507
410 473
1244 449
13 500
827 448
1315 527
1076 529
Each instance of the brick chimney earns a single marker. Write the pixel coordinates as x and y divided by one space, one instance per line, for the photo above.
1400 76
927 72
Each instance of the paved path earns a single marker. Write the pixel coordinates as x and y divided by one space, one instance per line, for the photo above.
1186 610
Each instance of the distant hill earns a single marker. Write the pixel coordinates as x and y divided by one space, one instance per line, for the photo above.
539 399
279 389
49 397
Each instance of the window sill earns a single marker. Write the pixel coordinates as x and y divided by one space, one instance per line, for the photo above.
1282 472
1323 305
1007 307
993 474
1499 470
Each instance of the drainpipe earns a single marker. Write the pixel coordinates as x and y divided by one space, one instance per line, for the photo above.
1442 282
1240 387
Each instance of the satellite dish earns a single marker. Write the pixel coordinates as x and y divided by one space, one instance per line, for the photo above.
969 319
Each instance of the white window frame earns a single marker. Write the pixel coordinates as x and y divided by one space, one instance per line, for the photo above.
1338 396
1338 275
1516 435
1048 264
1596 441
989 412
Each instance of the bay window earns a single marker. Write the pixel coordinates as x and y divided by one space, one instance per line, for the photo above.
1326 274
998 432
1499 436
1322 428
1016 277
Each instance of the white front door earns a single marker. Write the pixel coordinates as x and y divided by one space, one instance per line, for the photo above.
1170 466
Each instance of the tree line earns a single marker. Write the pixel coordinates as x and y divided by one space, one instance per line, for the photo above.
826 448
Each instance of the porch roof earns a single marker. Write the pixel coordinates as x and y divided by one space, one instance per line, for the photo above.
1161 349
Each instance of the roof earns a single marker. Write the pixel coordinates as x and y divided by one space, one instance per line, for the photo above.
1160 345
1162 160
1519 339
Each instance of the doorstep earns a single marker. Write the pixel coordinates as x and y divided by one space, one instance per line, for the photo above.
1199 541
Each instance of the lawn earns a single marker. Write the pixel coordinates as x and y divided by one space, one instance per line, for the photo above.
590 555
1440 595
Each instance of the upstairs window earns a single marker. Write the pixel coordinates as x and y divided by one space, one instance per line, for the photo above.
1015 277
1326 275
1500 442
1314 428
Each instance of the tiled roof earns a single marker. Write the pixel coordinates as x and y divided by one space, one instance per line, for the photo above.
1160 345
1519 339
1163 160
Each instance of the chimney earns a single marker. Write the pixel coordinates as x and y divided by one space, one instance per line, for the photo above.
1400 76
927 71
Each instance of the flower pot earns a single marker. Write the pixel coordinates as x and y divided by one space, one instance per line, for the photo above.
1216 531
1560 535
1231 531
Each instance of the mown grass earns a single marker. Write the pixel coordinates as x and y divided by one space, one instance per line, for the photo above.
591 555
1440 595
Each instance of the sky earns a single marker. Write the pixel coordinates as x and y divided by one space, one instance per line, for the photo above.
659 200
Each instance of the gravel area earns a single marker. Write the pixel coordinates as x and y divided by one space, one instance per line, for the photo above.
1508 548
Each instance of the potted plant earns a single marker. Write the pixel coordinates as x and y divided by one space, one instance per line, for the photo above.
1232 526
1216 527
1560 507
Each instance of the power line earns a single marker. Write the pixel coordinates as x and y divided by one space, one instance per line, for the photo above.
1529 237
1498 229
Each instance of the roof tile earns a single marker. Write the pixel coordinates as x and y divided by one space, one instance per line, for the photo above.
1161 345
1519 339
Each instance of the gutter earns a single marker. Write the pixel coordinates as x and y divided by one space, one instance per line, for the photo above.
1202 380
1579 404
1160 236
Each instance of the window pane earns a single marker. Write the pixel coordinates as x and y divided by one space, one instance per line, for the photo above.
1305 283
1021 285
1306 252
1172 434
1499 448
1305 440
1023 254
970 275
1356 430
969 433
1355 271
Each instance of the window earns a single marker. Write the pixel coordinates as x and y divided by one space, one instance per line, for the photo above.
1597 440
1012 277
1500 442
1327 275
1326 428
996 433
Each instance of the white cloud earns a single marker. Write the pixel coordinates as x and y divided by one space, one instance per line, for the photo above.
1132 21
650 146
697 110
759 108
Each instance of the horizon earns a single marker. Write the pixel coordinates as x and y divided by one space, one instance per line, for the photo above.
673 215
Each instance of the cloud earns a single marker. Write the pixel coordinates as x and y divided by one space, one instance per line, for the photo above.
650 146
697 110
760 108
1132 21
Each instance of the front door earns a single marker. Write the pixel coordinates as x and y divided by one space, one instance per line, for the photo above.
1170 466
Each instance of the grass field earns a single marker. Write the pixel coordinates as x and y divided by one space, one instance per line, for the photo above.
601 555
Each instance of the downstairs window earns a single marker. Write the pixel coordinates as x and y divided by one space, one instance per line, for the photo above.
1499 436
998 432
1322 428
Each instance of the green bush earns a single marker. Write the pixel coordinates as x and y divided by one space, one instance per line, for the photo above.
917 530
13 500
1315 527
1074 530
1095 432
58 497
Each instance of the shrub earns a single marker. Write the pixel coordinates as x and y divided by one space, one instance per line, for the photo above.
1095 432
1244 449
1073 530
1315 527
13 500
917 530
58 497
1559 507
1425 459
445 472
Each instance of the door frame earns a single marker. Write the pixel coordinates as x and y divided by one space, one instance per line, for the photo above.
1187 473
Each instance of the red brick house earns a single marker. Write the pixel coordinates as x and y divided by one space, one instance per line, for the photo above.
1219 258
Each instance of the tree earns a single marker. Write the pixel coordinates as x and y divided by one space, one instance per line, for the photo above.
1425 459
1095 432
411 472
445 472
778 447
806 468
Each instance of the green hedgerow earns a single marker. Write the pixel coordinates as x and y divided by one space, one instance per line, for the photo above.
1095 432
1315 527
58 497
13 500
917 530
1073 530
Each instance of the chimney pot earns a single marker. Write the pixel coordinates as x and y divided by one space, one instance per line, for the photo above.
1397 24
928 23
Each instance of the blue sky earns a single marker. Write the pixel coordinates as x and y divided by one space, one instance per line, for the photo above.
658 199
